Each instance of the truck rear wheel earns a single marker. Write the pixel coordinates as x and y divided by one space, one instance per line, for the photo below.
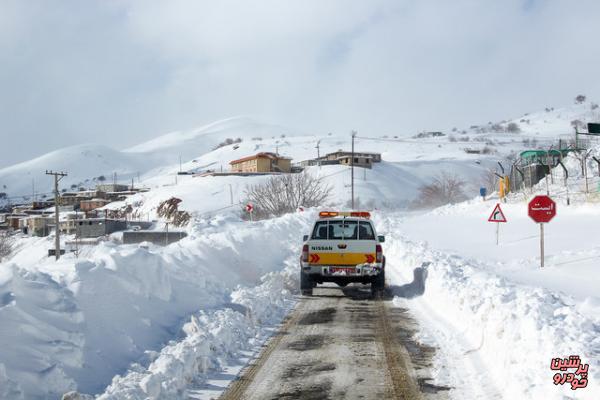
306 284
378 284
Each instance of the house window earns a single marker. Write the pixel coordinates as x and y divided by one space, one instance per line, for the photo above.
355 160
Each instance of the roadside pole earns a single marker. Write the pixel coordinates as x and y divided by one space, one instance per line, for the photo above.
498 217
542 209
57 177
497 233
352 167
542 245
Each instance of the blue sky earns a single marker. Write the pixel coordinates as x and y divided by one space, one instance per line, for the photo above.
122 72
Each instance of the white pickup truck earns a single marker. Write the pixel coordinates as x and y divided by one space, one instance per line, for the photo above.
343 247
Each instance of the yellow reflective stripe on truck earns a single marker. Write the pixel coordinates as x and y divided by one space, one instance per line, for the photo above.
341 258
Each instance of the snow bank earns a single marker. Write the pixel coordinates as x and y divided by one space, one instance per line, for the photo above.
212 338
494 338
74 324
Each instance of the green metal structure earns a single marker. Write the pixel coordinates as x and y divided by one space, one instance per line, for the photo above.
543 157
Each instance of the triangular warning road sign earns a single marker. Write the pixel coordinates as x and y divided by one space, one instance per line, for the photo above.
497 215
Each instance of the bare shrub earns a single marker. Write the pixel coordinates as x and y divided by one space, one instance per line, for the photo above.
498 128
168 210
593 106
488 150
285 193
446 188
489 181
227 142
6 246
513 127
452 138
577 124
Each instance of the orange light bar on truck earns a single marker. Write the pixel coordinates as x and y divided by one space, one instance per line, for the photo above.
331 214
328 214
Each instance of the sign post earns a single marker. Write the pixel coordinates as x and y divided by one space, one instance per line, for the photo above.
542 209
249 209
498 217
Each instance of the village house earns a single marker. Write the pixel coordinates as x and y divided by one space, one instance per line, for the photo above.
39 225
112 187
69 199
361 159
262 162
89 205
68 225
96 227
375 157
16 221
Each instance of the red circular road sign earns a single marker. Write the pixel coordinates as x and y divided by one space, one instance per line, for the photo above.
249 207
542 209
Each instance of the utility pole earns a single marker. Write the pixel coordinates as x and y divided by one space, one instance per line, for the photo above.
230 194
318 154
57 177
180 163
352 167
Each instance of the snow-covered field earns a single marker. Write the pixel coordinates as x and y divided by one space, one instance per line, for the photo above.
141 321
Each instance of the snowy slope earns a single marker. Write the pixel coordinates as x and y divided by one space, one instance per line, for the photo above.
192 143
77 323
195 147
85 162
81 162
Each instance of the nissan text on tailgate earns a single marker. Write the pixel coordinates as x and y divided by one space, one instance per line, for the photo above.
343 247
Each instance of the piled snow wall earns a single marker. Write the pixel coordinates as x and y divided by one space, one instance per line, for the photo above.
74 324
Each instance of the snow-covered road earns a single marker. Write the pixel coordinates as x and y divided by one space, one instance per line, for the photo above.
341 344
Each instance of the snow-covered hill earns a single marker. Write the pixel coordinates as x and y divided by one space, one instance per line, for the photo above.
157 161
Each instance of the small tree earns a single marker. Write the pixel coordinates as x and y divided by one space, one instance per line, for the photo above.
6 246
579 99
101 178
489 181
446 188
285 193
577 124
513 127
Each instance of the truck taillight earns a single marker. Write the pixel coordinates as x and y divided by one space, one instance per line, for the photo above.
305 253
378 253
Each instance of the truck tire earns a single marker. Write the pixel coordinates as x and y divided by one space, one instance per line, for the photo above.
378 284
306 284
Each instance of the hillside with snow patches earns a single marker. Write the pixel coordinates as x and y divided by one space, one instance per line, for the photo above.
144 321
408 159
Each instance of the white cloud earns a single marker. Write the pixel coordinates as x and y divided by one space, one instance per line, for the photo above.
123 72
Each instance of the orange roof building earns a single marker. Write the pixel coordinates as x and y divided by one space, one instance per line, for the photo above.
262 162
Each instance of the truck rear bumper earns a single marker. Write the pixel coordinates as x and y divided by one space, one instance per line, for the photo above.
343 271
